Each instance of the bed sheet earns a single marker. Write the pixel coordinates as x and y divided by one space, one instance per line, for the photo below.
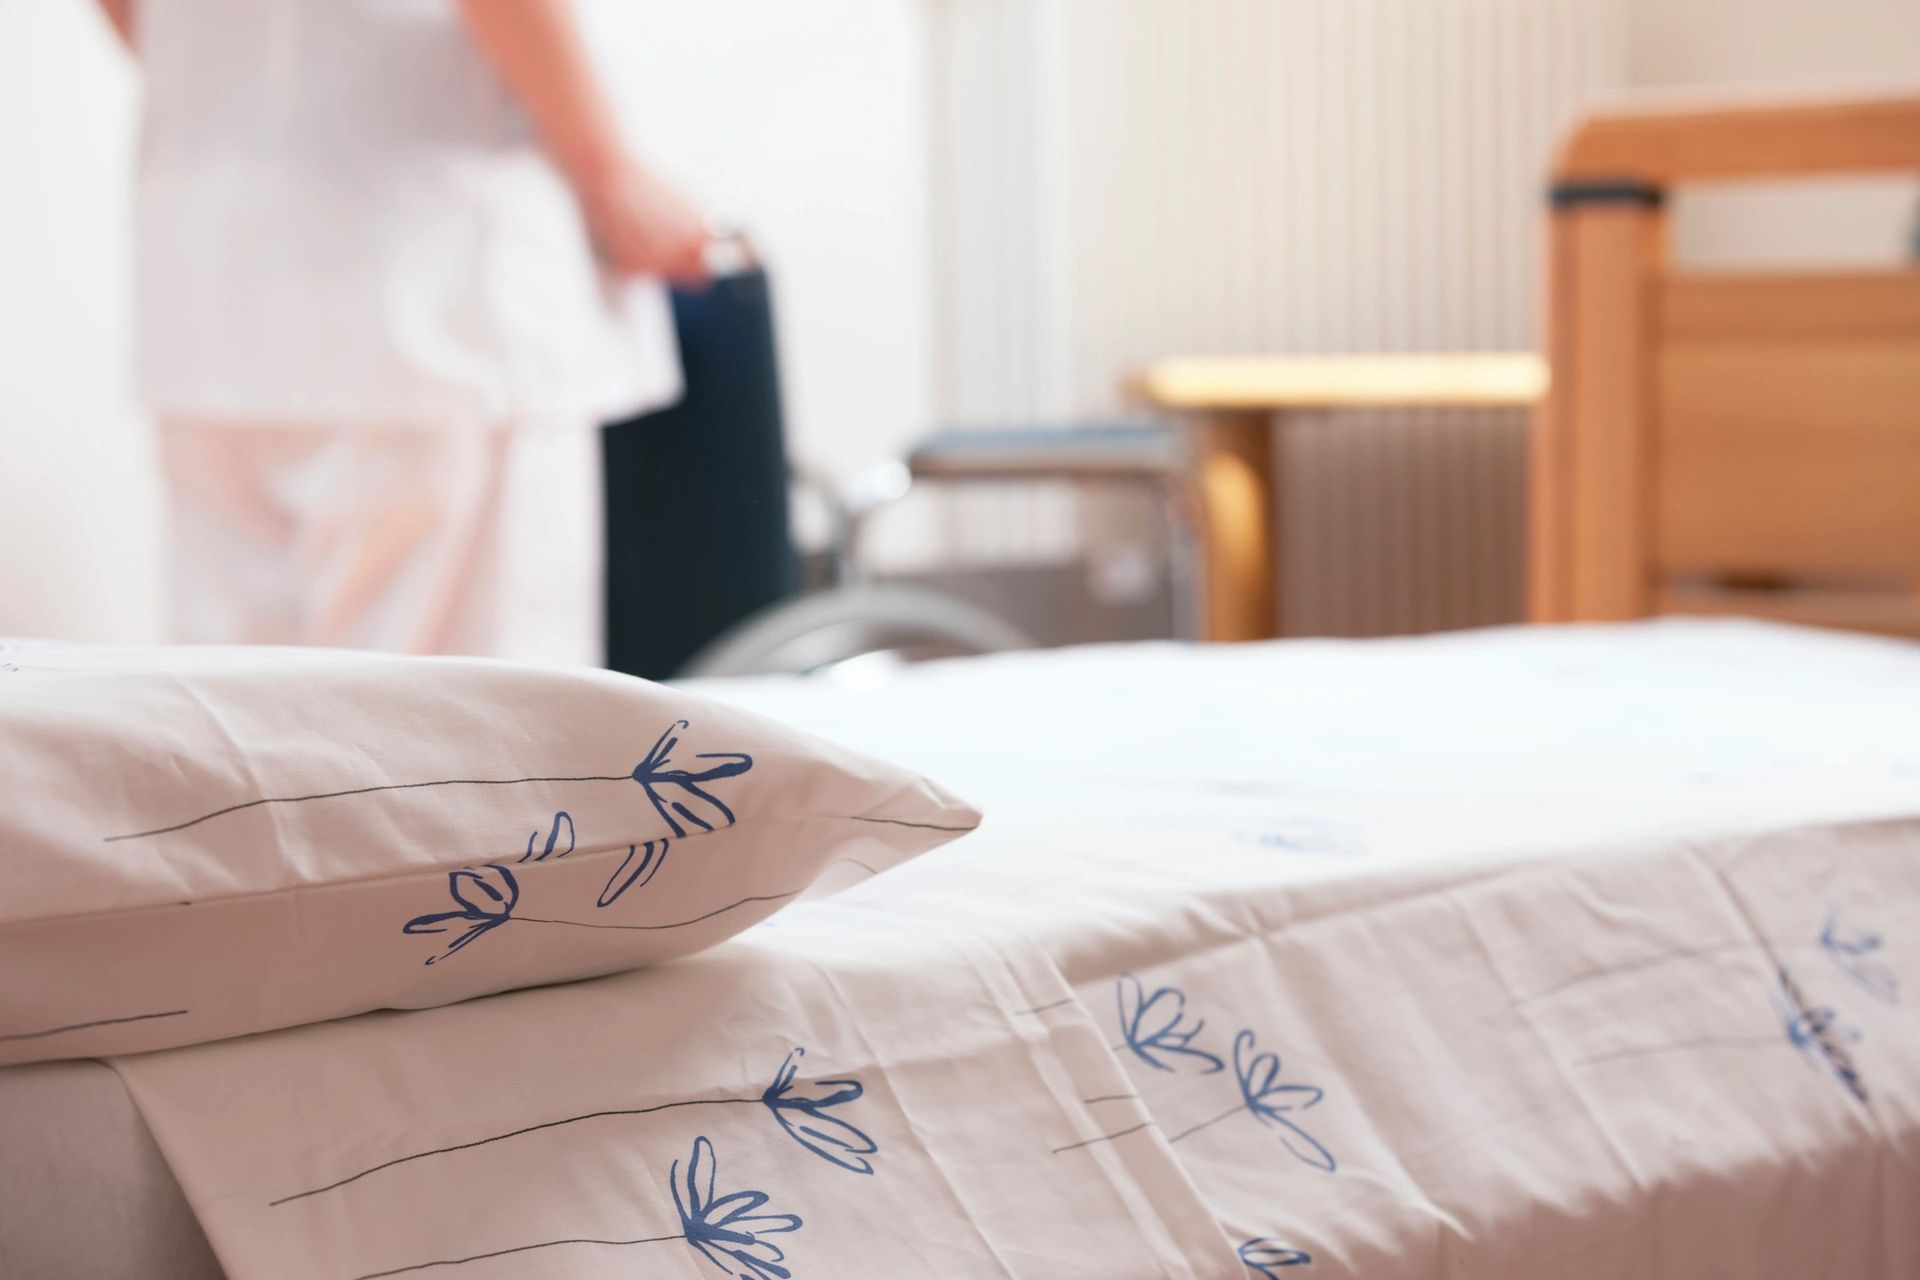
84 1192
1579 952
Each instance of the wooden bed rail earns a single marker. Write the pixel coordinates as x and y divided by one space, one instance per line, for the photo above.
1658 145
1746 443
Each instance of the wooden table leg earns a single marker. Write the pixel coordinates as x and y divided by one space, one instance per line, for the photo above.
1234 477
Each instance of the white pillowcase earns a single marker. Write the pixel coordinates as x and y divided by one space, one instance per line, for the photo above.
203 842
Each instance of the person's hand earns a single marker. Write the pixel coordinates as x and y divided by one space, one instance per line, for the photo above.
642 226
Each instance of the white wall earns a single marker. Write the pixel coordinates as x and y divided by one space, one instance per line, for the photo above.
1774 41
78 500
1784 45
804 123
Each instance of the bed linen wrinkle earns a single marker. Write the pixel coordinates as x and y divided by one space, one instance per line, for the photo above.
1648 1195
1882 1150
1590 1107
1198 1157
181 883
1889 1214
1773 1147
947 1186
1571 1088
1367 1089
989 953
1160 1196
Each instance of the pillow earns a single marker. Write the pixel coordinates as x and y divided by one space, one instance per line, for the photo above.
203 842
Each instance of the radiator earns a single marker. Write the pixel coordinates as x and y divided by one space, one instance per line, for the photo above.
1118 180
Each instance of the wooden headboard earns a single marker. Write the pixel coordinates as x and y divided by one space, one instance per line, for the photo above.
1725 443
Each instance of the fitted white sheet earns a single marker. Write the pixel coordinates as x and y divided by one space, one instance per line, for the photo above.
1511 909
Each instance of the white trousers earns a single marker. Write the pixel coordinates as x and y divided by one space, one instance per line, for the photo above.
403 538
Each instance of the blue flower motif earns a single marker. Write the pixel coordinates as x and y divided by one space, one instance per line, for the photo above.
1148 1032
1269 1101
806 1120
1266 1257
486 902
729 1231
655 774
641 864
553 839
1815 1031
1855 957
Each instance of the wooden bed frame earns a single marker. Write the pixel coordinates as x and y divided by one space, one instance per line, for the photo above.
1725 443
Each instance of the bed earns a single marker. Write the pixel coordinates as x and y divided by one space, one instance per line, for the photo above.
1569 951
1577 951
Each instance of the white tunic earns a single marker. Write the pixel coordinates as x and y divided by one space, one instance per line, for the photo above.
343 217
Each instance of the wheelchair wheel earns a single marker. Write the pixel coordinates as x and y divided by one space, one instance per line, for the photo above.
815 633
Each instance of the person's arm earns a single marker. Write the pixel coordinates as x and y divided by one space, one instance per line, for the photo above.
119 15
641 225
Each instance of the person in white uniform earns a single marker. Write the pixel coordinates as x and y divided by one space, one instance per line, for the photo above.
395 263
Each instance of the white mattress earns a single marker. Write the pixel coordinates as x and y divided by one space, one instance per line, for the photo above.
1576 952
